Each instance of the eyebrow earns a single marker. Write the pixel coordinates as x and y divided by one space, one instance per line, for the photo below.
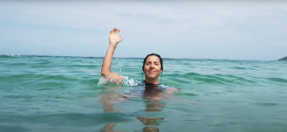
153 61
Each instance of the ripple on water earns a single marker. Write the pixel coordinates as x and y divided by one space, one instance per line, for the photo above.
219 79
265 104
280 80
238 67
70 119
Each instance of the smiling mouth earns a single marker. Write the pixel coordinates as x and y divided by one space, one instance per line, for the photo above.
151 71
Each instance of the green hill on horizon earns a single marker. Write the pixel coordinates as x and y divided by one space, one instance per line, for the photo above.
283 59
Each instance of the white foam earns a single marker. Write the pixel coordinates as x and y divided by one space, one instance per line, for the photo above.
103 80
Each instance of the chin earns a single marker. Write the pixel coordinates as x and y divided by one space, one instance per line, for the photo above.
153 77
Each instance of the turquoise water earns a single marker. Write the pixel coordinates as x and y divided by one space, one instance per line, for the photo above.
62 94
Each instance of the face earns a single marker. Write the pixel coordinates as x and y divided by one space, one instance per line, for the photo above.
152 67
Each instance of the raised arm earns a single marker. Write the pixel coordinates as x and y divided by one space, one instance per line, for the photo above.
107 63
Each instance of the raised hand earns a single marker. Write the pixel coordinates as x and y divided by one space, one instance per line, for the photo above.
114 37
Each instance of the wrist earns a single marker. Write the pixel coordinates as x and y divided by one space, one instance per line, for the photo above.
112 46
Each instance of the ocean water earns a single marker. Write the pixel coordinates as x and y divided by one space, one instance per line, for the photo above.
44 94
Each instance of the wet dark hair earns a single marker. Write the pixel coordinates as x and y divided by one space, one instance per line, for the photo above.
153 54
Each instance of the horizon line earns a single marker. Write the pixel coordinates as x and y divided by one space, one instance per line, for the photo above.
13 55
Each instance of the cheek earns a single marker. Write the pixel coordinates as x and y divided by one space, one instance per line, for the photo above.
145 68
158 67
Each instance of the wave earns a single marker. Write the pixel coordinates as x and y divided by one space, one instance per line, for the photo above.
8 55
69 119
238 67
233 78
47 79
210 79
38 77
280 80
92 66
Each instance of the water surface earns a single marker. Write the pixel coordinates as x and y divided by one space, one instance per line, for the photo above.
62 94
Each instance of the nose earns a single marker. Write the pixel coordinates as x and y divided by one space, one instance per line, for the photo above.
152 66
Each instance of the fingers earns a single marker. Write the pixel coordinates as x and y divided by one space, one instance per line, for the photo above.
115 31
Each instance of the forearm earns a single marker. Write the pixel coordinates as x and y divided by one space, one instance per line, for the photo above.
107 63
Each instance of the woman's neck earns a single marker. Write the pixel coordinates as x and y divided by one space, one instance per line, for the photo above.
152 81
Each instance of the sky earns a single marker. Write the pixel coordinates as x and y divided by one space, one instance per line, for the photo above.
236 30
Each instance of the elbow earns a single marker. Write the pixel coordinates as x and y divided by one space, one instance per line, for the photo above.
104 73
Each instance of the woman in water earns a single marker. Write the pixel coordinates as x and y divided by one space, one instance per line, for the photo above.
152 66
